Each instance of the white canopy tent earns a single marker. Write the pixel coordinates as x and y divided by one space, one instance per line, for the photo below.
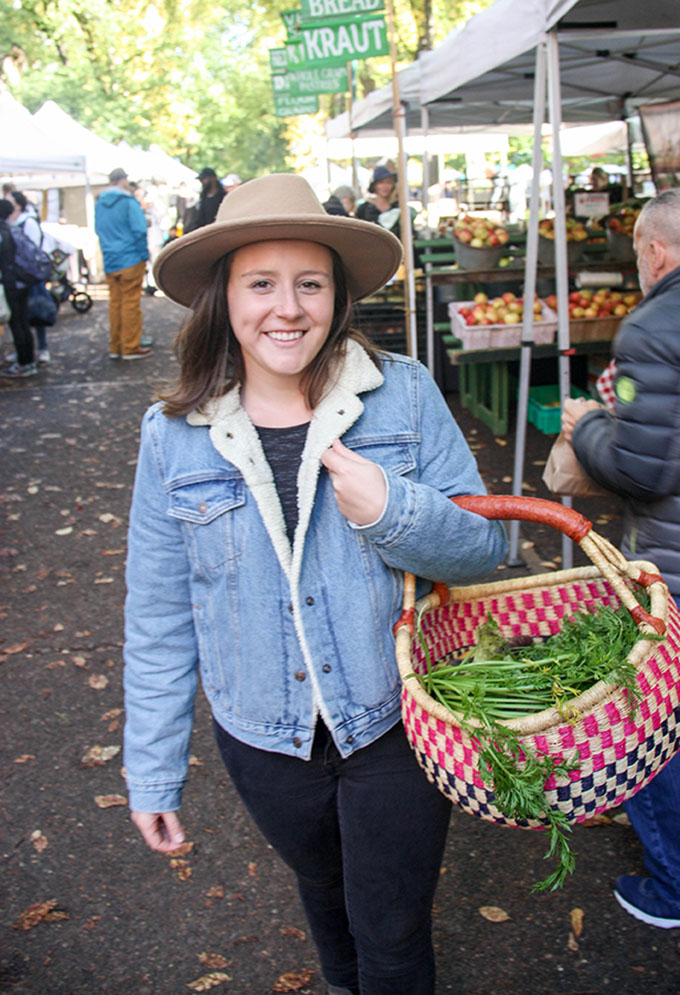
595 60
29 152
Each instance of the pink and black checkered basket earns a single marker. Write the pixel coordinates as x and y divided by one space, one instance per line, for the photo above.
618 754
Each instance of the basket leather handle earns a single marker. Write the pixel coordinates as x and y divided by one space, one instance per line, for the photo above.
527 509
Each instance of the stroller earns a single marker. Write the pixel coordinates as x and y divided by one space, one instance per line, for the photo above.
59 285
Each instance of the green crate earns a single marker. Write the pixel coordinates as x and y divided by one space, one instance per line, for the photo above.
544 410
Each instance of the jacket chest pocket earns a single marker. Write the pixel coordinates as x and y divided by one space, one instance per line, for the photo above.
393 455
206 508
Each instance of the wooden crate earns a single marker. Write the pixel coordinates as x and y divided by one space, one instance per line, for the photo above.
593 329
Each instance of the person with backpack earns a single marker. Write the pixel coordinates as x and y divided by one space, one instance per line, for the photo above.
16 292
25 217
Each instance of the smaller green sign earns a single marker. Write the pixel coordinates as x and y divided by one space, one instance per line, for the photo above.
287 106
311 9
297 82
291 20
278 60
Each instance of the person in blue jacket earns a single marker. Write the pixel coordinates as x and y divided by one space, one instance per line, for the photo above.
635 452
282 488
121 227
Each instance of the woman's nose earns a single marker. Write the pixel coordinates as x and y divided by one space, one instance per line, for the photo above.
288 303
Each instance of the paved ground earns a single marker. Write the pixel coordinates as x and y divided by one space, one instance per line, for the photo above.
110 916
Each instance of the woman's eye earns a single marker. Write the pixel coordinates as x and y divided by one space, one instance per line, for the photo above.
311 285
261 284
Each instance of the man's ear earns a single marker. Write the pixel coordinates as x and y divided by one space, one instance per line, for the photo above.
657 256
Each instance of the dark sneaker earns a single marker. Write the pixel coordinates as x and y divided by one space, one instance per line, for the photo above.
18 372
639 896
146 340
140 353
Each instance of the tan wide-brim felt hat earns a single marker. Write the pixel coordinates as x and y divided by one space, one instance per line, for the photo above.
279 206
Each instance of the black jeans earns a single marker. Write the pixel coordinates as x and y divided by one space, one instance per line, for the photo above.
17 301
365 837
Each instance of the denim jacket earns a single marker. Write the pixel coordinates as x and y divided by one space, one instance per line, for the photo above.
283 634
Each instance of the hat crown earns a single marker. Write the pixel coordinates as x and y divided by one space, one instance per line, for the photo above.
280 194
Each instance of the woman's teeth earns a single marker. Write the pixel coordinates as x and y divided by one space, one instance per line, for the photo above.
285 336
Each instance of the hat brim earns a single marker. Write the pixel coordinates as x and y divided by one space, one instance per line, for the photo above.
370 255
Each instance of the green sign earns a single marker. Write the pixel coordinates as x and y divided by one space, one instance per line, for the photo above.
287 106
337 44
312 9
291 20
298 82
278 60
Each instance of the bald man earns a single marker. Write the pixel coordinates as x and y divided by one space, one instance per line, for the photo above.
635 452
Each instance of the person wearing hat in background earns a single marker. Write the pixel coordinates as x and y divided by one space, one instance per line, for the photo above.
230 182
383 187
282 487
212 195
121 228
383 209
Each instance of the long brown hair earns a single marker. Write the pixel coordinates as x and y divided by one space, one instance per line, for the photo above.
210 357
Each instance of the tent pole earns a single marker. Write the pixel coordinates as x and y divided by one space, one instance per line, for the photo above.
429 303
399 113
355 165
561 270
529 290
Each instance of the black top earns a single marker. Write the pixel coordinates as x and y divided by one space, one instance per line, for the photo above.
283 448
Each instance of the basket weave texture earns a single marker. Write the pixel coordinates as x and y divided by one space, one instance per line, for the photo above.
616 754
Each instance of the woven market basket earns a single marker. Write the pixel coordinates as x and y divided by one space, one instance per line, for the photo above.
616 753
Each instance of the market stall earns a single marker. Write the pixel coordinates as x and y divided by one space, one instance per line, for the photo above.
589 61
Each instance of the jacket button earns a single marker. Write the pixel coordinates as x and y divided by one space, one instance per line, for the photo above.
309 600
202 508
350 740
297 742
290 607
326 668
300 675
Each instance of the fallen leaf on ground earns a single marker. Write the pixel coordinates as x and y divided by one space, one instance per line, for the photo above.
97 755
24 758
79 660
293 981
252 869
112 552
182 867
217 891
107 517
15 648
38 840
109 801
112 713
182 850
208 981
97 681
103 580
213 961
297 934
576 917
493 913
501 442
621 819
39 912
572 944
64 532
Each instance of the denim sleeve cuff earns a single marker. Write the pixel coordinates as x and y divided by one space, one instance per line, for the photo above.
154 799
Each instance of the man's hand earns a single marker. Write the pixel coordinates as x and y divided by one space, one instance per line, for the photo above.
574 409
162 831
358 484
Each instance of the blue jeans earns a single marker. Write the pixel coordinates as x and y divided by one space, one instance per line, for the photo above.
655 814
365 837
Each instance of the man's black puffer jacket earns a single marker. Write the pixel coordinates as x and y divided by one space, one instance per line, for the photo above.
636 452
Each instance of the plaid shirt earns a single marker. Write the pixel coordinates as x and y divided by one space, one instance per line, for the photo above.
605 385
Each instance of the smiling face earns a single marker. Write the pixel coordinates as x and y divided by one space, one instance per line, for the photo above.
280 296
385 188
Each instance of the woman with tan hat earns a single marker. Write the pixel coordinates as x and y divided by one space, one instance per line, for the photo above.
282 487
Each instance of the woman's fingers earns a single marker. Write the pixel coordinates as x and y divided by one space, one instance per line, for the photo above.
161 831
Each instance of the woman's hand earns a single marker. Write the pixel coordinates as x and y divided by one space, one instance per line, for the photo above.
162 831
574 410
358 484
